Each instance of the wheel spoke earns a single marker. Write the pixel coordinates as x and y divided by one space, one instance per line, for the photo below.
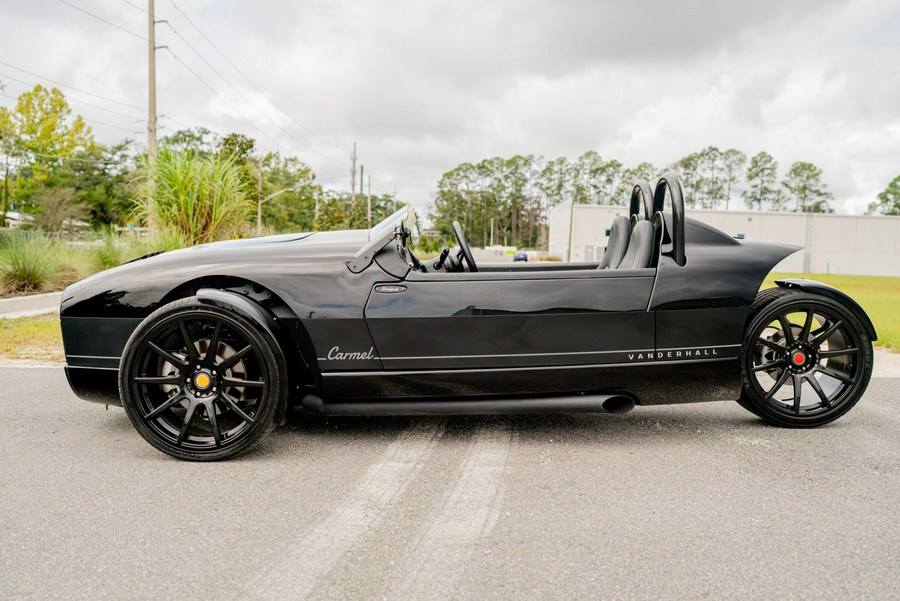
834 374
232 404
210 409
240 382
807 325
838 352
192 353
798 393
188 417
772 345
818 340
786 327
165 406
173 380
214 342
769 366
230 361
811 378
167 355
781 380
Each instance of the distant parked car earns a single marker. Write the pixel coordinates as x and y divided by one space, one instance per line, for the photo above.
520 256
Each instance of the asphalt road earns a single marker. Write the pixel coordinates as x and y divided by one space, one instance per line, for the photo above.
699 501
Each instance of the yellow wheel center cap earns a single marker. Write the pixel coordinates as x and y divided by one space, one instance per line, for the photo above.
202 381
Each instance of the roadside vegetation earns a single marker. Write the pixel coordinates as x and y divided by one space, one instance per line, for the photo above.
878 296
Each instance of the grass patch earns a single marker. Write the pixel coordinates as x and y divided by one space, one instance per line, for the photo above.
878 296
37 338
28 263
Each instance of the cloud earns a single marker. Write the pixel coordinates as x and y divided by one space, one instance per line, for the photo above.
423 86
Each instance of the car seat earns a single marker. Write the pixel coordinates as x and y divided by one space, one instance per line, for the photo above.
617 246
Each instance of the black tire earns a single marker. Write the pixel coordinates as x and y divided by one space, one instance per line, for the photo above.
196 403
812 342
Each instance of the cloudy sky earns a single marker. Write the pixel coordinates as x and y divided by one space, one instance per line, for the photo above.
422 86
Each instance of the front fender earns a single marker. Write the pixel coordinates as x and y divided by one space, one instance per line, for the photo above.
263 320
814 287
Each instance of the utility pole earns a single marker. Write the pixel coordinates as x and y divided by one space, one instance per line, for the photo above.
369 203
353 176
362 177
259 200
151 116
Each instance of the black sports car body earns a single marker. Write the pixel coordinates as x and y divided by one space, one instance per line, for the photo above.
207 348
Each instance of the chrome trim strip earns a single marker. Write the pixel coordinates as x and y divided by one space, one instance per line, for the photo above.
692 348
410 372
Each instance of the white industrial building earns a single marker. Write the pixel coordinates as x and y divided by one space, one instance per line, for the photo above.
842 244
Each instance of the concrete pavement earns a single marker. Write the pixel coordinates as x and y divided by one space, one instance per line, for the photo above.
26 306
678 502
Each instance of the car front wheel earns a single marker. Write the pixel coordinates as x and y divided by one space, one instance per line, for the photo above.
806 359
200 382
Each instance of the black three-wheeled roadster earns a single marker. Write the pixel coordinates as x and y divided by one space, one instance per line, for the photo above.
207 348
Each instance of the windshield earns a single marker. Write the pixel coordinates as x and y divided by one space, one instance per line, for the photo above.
405 216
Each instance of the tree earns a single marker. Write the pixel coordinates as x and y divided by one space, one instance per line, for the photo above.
59 208
43 134
688 169
644 172
38 140
199 140
7 150
331 214
236 145
732 163
296 208
804 183
762 174
888 200
712 184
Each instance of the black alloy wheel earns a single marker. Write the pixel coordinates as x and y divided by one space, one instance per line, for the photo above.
806 359
199 382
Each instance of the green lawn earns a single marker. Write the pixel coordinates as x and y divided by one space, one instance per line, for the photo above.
879 296
37 338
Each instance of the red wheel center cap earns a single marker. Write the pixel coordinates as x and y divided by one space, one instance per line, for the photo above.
799 358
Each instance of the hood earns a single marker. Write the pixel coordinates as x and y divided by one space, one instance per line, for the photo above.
287 253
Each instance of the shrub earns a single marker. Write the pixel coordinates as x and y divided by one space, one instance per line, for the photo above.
199 198
29 262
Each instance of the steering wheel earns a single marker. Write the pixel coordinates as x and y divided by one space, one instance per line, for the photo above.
464 246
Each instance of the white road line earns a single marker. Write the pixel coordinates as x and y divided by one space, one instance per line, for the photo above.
460 523
311 558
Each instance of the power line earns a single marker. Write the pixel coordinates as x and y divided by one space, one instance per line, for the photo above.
110 23
88 119
75 159
247 100
96 106
132 4
219 96
59 83
248 80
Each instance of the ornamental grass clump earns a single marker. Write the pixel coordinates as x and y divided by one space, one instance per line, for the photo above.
29 262
200 198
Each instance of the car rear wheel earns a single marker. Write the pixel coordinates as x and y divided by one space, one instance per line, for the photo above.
200 382
806 359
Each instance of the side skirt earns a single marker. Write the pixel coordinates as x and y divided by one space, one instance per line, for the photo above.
649 383
593 403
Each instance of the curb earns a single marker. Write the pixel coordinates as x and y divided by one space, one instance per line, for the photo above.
26 306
